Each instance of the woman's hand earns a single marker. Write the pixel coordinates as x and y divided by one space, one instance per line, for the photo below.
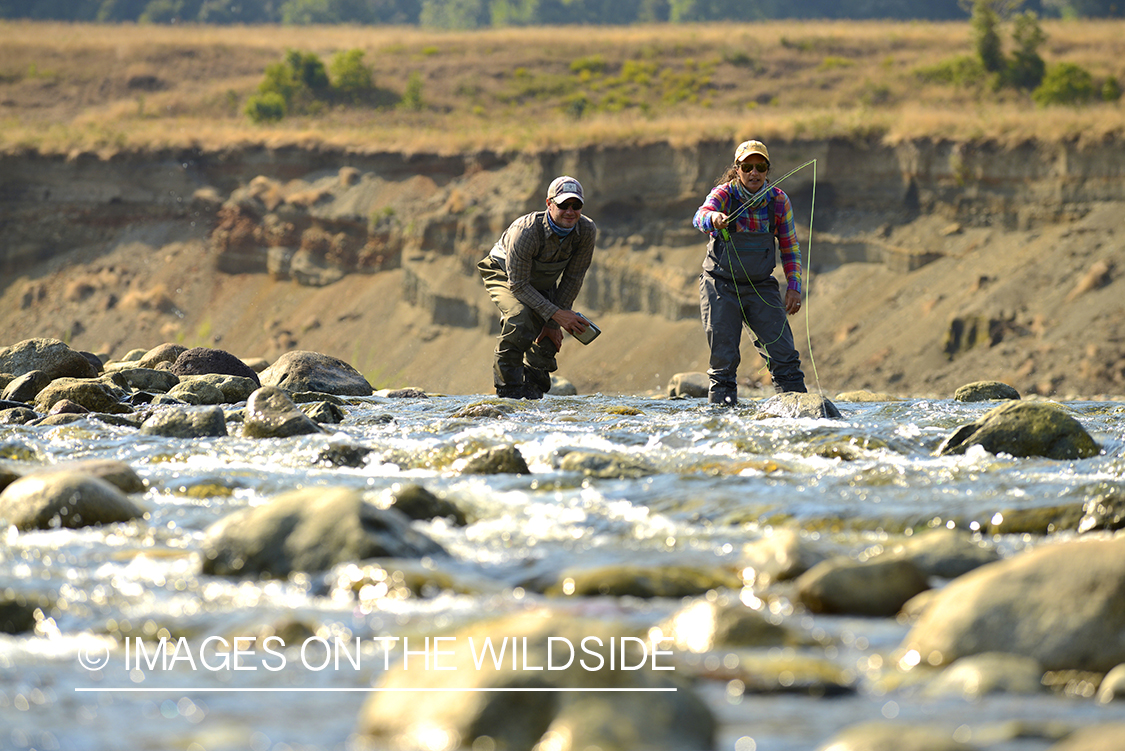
792 301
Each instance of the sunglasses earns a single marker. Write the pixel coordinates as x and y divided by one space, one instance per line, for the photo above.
571 205
762 167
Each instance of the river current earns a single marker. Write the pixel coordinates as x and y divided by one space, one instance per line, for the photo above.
704 483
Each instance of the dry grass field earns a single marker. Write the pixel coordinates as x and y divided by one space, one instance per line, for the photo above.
67 88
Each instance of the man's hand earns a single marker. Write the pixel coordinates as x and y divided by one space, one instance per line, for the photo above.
555 335
569 321
792 301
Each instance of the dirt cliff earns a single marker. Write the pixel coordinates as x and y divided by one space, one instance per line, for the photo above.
930 264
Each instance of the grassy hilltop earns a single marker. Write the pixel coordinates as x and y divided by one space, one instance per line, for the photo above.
70 87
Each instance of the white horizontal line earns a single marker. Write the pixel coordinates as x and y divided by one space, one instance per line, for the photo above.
135 689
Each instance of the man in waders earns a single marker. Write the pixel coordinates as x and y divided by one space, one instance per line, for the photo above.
533 273
737 284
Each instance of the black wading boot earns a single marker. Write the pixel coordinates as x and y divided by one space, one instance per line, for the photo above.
538 379
519 391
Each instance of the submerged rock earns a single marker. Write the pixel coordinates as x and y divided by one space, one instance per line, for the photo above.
983 391
46 500
578 650
795 404
186 423
312 529
876 587
1025 429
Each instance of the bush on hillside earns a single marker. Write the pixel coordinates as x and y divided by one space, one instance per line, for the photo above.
1065 83
265 108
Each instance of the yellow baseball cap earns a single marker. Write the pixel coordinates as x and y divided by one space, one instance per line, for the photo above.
746 148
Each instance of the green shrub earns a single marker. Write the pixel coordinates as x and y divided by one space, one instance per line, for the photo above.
964 70
412 97
1065 83
1111 90
595 65
268 107
351 79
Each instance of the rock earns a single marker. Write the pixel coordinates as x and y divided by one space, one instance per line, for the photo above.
562 387
93 395
409 392
794 404
886 736
94 360
46 500
496 461
947 553
234 388
1060 604
67 407
323 412
1104 511
866 396
566 720
17 416
1112 686
142 379
48 355
344 455
780 554
197 391
270 413
312 529
1024 429
1105 737
704 626
634 580
17 615
878 587
983 391
603 465
694 385
418 503
161 353
186 423
26 387
311 371
117 473
203 360
989 673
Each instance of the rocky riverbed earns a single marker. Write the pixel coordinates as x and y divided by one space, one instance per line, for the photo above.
219 553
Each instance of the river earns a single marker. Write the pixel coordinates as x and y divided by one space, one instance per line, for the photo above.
712 481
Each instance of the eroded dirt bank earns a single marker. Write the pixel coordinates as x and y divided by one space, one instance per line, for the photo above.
932 264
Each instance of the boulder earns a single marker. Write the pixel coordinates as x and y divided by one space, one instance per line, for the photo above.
496 461
989 673
1104 737
26 387
312 529
694 385
1059 603
943 552
418 503
204 360
794 404
192 390
114 471
93 395
566 720
312 371
703 626
161 353
897 736
48 355
983 391
142 379
877 587
186 422
1025 429
46 500
270 413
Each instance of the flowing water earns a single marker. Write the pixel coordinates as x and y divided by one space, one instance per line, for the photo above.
712 478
